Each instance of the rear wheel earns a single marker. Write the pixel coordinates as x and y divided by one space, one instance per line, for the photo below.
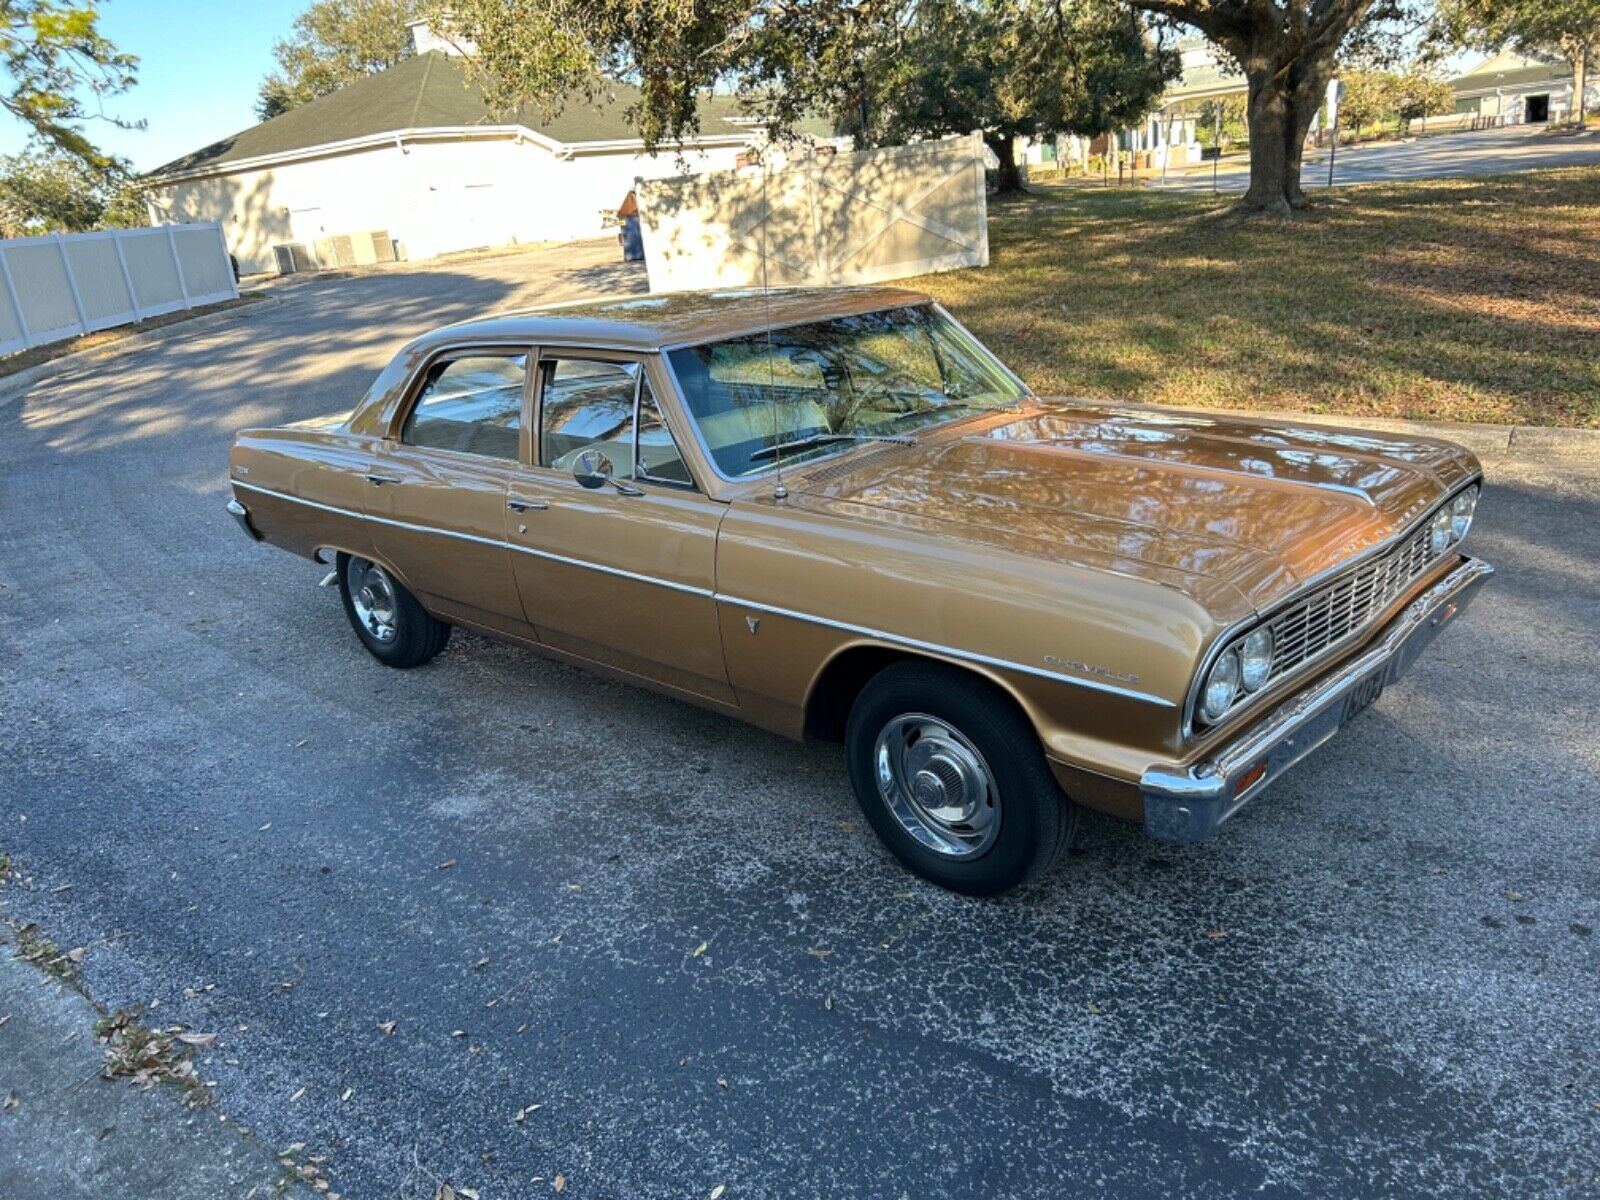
952 778
391 624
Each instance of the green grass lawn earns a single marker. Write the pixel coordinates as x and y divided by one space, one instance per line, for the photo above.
1454 300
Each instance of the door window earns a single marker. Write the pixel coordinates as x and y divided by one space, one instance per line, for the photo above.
472 405
609 407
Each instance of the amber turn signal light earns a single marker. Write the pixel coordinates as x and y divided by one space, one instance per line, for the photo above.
1250 778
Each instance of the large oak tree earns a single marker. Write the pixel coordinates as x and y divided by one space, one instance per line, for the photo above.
1011 68
1287 50
886 69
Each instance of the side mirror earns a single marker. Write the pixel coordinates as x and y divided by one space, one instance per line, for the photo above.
592 469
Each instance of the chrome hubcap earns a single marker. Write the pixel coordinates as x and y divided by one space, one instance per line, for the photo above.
372 596
937 785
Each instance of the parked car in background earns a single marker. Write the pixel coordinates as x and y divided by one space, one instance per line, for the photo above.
835 514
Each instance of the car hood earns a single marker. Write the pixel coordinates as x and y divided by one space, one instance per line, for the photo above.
1257 505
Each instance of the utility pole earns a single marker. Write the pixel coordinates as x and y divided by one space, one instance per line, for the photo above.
1216 147
1335 98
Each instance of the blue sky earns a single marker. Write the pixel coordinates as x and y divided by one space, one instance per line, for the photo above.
199 67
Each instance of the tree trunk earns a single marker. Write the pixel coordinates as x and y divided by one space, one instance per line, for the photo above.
1008 179
1305 100
1268 115
1280 113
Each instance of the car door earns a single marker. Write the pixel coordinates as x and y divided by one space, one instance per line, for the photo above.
438 486
622 573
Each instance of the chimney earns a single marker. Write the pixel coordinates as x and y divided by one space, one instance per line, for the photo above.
425 38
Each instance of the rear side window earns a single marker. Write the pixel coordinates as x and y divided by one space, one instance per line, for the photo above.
472 405
609 407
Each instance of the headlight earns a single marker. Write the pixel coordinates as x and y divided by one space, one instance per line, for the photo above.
1461 511
1222 685
1255 659
1439 531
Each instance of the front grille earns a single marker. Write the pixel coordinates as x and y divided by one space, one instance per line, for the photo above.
1322 620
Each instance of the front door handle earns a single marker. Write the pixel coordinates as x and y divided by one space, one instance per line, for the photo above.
375 480
524 505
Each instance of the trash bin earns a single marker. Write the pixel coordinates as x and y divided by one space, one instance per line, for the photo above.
632 240
629 235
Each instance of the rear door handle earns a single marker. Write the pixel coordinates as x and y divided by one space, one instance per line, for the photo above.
375 480
516 505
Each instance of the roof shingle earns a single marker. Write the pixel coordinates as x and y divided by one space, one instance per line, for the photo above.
430 91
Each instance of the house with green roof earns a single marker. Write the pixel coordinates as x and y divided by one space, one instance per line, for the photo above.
1521 89
412 161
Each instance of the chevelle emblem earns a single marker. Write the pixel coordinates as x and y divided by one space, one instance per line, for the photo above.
1071 664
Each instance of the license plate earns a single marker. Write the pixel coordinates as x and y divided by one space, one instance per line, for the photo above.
1363 694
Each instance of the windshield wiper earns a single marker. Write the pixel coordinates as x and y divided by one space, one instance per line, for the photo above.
818 439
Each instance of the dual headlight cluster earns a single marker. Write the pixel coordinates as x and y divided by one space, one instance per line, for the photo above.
1246 664
1242 668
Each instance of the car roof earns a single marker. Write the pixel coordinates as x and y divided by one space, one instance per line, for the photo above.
659 321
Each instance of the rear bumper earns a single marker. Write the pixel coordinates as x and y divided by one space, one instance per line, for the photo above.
1191 804
241 514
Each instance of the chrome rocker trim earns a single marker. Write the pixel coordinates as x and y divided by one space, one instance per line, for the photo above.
1190 805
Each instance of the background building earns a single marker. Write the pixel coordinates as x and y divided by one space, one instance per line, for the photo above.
415 154
1521 89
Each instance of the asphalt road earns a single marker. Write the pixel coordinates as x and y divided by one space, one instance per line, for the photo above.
1437 156
1380 981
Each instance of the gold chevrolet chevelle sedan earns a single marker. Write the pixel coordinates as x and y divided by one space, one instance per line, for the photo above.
836 515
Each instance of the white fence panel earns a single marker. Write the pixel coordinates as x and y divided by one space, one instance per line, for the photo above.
64 285
822 219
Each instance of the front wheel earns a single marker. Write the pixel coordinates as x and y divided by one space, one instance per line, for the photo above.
391 624
952 778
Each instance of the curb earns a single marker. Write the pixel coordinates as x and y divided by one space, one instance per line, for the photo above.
1489 442
10 385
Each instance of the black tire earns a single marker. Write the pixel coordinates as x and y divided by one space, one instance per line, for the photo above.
416 635
1035 819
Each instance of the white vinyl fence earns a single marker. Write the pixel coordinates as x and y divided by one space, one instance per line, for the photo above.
64 285
861 217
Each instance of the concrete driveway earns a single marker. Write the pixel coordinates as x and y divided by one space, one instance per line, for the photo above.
1439 156
1381 981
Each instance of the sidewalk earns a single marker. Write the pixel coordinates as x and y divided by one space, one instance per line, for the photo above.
65 1132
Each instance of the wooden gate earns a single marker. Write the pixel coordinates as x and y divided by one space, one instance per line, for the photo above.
820 219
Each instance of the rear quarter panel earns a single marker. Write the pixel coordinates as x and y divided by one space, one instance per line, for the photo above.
304 487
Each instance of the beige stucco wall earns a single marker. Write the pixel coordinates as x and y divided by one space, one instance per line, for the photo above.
432 197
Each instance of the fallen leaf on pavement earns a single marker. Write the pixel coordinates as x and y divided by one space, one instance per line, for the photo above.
447 864
10 1101
297 1095
387 1027
559 1183
197 1039
819 952
700 949
716 1192
458 1033
444 1192
344 1097
1094 1008
481 963
1216 933
5 1018
75 955
1512 896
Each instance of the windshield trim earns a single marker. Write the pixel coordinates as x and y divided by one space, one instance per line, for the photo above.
665 353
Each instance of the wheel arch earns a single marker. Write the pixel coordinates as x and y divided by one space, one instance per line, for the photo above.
841 679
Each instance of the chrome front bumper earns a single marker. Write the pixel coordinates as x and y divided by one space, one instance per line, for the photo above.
1190 805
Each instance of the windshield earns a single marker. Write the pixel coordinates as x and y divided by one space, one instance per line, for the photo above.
810 390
